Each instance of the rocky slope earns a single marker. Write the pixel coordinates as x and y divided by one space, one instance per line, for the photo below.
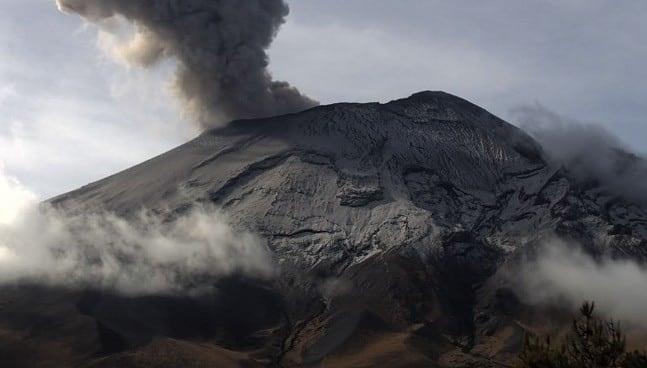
393 226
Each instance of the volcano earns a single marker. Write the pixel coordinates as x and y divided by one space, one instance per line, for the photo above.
392 226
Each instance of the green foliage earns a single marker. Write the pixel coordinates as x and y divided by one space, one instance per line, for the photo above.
592 343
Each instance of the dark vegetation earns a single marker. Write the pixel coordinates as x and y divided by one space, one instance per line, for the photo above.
591 343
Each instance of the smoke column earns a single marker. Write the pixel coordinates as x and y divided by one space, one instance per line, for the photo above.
219 45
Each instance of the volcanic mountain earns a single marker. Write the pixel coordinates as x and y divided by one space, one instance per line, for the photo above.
392 225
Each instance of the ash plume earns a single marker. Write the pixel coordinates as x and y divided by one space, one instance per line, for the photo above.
219 46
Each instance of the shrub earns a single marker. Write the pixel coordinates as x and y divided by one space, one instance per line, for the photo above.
591 343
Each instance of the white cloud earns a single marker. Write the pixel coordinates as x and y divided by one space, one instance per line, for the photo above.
141 255
15 199
6 92
145 254
562 274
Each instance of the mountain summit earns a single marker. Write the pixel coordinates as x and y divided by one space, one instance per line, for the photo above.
392 225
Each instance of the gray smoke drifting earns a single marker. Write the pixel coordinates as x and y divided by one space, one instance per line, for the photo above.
563 274
589 151
141 255
220 48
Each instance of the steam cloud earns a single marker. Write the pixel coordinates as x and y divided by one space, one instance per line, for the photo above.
219 46
562 272
15 198
589 151
137 256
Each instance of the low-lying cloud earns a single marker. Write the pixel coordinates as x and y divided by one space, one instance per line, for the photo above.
141 255
14 196
589 151
562 274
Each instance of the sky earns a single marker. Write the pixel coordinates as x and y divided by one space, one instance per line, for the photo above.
71 114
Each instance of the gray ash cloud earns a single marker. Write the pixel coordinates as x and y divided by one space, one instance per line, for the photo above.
587 150
220 48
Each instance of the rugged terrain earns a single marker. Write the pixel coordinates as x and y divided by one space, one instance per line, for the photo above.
393 226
